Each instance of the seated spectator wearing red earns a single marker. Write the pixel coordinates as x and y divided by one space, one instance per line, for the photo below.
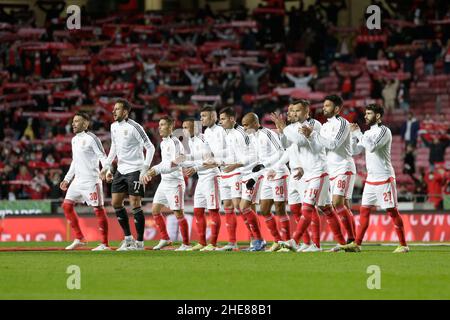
435 182
23 183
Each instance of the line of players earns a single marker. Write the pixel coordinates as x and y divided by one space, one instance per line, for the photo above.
241 166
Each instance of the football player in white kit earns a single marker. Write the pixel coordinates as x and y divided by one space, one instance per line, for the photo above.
271 191
380 188
82 181
335 138
128 141
170 192
314 183
239 159
215 137
206 196
292 156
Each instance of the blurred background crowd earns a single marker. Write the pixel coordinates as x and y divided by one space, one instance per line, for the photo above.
173 61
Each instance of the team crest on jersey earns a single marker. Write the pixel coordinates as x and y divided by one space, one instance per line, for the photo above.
83 143
125 133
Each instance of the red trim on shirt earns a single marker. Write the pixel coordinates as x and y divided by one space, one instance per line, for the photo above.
379 183
230 175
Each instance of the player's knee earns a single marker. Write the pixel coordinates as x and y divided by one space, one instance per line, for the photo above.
137 211
67 205
280 207
244 205
135 202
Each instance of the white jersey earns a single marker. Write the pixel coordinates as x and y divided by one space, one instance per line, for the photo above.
269 151
240 149
87 152
215 137
128 139
334 136
199 153
171 148
312 155
377 143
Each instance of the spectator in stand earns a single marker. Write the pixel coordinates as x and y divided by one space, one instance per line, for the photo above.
410 130
23 187
6 175
435 182
301 82
251 78
389 93
446 56
53 181
437 150
332 9
420 186
429 56
39 187
409 160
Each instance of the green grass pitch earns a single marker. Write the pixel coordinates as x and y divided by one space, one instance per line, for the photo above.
424 273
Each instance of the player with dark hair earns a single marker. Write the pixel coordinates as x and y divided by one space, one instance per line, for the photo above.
238 160
82 181
206 196
215 137
334 136
170 192
128 141
380 187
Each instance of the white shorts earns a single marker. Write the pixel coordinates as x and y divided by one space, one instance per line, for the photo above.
84 191
207 193
275 190
382 194
252 195
295 190
342 185
317 191
230 186
170 194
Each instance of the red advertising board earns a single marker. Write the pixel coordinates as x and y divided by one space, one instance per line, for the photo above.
421 227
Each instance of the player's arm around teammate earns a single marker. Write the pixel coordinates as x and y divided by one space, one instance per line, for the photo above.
170 192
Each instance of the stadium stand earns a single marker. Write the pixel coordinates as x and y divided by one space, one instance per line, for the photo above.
172 62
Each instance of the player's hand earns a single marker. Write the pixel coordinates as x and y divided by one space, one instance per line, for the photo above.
64 185
210 165
354 127
250 184
188 172
109 177
299 174
181 158
306 131
149 176
146 179
271 174
143 173
279 121
231 167
103 173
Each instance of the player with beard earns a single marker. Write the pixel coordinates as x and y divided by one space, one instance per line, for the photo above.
380 188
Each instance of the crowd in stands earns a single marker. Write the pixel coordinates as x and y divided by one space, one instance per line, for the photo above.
174 62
